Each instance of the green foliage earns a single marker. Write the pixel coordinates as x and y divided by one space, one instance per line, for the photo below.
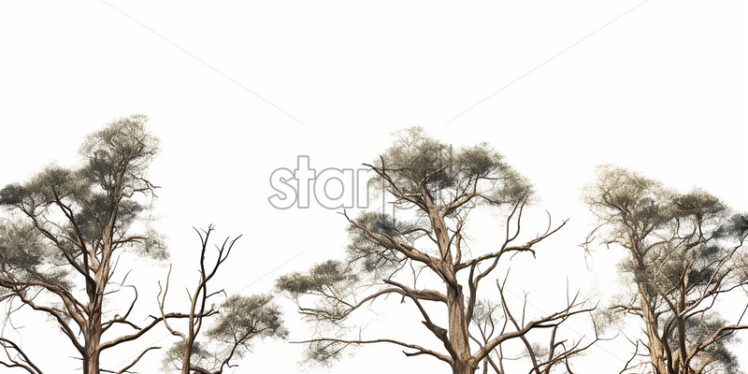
703 328
684 250
62 210
417 168
372 256
434 187
418 161
242 318
323 352
485 311
241 321
319 277
12 194
23 257
120 154
418 157
676 233
199 356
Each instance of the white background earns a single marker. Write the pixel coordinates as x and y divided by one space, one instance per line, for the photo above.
237 89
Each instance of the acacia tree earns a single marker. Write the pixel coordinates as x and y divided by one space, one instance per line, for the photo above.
424 259
241 318
683 253
64 234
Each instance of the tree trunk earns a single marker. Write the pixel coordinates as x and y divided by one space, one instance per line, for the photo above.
96 291
457 323
91 360
461 367
655 344
91 363
458 338
186 359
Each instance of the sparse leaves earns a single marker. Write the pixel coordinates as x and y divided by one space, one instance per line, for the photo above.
388 259
65 230
420 170
240 319
320 277
684 250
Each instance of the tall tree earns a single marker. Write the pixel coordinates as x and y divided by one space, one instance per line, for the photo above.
241 319
425 259
684 251
66 230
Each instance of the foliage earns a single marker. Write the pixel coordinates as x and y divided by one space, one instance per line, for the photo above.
684 250
422 258
65 230
241 321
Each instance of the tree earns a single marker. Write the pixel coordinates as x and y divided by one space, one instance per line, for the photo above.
424 259
66 230
683 252
241 319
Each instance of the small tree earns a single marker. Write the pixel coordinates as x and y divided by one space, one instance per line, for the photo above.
683 252
404 257
241 319
66 230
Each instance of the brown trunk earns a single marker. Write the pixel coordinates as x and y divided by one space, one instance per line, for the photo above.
655 343
461 367
457 324
91 363
92 337
190 341
458 338
186 359
656 349
94 329
92 340
187 349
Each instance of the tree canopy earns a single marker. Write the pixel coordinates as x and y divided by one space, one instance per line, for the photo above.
424 258
684 251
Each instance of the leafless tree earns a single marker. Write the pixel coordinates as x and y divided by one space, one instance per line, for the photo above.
66 230
683 253
405 257
241 318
